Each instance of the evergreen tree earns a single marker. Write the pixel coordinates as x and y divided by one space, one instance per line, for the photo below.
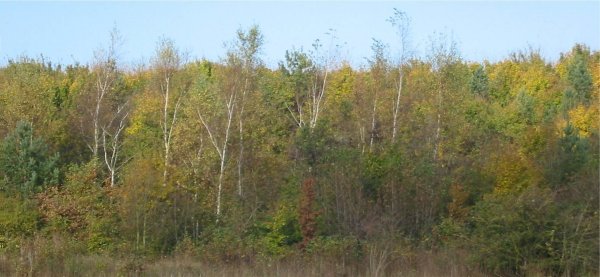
579 77
574 152
25 165
479 82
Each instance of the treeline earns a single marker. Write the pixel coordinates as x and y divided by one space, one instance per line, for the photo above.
493 163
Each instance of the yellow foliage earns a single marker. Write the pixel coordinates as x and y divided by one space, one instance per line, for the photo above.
535 79
507 73
342 83
146 105
135 127
561 68
584 119
513 172
135 80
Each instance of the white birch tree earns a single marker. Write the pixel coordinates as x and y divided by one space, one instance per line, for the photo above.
113 145
401 22
379 69
216 112
166 64
221 146
105 73
106 107
244 59
443 53
309 76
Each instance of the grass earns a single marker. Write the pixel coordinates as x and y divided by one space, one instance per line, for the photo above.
375 263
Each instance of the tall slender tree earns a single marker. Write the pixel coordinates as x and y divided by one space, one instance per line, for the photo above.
105 73
244 58
379 69
167 64
401 22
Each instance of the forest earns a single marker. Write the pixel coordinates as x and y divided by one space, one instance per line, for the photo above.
406 166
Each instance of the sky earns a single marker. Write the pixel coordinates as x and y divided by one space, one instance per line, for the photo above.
69 32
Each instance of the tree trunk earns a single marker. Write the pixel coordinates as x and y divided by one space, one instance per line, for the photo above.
373 122
397 105
166 131
438 125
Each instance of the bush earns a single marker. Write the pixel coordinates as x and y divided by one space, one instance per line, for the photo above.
81 208
278 233
526 234
223 245
18 218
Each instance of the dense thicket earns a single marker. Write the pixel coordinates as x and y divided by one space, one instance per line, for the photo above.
495 162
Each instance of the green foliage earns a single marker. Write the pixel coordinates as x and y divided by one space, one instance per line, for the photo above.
222 244
578 235
573 154
18 218
297 71
479 82
278 233
526 107
314 143
25 163
579 76
375 171
509 235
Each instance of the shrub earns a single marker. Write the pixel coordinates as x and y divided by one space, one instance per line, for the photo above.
18 218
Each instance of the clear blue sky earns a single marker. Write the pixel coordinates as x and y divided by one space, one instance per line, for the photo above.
65 32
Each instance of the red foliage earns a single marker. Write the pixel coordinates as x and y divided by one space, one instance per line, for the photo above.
308 216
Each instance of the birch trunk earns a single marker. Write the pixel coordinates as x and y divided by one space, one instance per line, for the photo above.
397 105
241 126
221 148
112 149
166 143
373 113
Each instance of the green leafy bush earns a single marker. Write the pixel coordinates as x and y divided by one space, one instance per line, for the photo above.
526 234
18 218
